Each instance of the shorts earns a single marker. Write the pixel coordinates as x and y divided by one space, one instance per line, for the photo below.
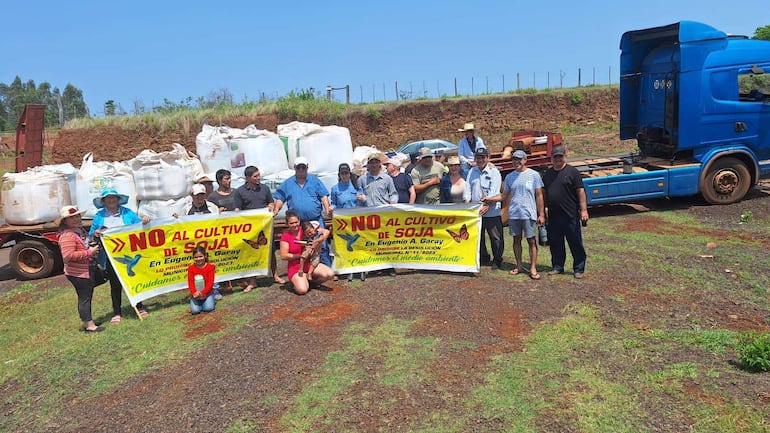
516 227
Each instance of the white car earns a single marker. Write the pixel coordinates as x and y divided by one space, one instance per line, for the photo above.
434 145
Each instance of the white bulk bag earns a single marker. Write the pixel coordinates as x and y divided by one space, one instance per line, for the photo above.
325 148
70 172
260 148
212 148
275 180
94 177
156 179
157 209
34 196
291 134
189 161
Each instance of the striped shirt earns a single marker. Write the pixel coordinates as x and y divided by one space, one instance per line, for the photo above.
75 254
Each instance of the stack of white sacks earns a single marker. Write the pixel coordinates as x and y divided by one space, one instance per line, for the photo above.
158 184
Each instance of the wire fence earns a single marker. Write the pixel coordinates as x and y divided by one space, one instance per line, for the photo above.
484 85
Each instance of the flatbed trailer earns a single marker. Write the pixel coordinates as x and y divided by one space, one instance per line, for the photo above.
35 252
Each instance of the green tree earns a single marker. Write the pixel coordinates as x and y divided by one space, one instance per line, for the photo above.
762 33
109 108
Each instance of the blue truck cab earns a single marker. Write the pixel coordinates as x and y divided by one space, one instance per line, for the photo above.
697 100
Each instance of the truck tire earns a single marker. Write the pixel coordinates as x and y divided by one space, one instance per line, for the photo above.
31 260
727 181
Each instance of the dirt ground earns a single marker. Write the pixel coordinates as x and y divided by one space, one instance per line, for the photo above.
288 337
495 118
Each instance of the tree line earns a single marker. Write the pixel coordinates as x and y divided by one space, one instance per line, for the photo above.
61 106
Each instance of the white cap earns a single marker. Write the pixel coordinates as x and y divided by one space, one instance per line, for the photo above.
198 189
300 160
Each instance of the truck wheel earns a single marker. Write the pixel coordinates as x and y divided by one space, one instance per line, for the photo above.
727 181
32 260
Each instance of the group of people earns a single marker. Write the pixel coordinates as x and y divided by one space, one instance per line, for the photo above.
555 200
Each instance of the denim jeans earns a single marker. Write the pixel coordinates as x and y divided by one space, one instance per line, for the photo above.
202 305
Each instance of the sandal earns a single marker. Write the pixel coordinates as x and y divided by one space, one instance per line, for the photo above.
143 313
115 319
248 288
535 276
516 271
279 280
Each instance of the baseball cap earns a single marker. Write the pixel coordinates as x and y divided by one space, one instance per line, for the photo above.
198 189
481 151
300 160
425 152
344 168
203 179
519 154
558 150
377 156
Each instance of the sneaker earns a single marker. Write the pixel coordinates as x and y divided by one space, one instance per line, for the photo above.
495 266
555 272
363 276
578 275
392 272
350 277
217 297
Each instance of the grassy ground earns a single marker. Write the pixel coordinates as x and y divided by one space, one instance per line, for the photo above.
648 342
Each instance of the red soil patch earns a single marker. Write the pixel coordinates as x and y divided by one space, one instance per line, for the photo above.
320 316
206 324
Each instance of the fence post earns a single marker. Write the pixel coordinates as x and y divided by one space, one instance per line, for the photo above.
580 72
455 87
347 94
503 83
397 97
518 82
472 91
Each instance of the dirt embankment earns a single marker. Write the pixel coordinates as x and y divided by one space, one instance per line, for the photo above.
386 127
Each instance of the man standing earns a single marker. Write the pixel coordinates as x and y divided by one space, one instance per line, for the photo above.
376 188
402 181
254 195
223 196
523 195
565 200
426 176
303 193
467 147
483 186
306 195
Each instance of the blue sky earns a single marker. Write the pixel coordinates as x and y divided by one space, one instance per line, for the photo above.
142 51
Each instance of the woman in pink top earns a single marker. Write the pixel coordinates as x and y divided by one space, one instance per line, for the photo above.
292 250
77 256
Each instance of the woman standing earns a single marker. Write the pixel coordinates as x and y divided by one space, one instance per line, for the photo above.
292 251
77 255
111 214
453 183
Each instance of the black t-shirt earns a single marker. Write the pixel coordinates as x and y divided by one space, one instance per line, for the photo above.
258 198
225 201
560 190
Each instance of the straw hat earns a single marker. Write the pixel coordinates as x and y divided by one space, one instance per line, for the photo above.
467 127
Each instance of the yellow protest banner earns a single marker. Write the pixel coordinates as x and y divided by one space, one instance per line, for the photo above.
152 259
441 237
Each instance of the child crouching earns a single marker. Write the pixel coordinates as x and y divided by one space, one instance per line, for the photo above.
200 281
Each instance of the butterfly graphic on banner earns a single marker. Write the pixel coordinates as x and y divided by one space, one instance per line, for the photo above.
260 242
459 237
